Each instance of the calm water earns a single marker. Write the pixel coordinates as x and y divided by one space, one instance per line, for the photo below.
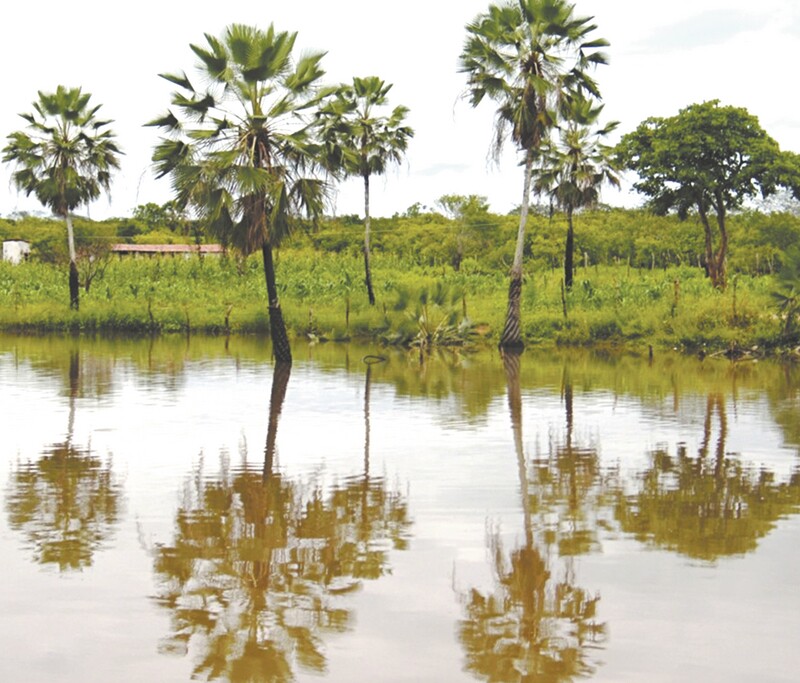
178 510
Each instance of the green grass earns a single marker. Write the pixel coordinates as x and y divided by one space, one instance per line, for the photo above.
323 295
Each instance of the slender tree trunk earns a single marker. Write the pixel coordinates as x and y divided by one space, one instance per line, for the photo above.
280 380
271 485
367 270
367 385
74 388
512 334
74 287
722 252
568 409
459 256
569 251
723 434
277 328
511 364
715 260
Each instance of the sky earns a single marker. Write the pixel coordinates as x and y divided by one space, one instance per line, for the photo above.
663 57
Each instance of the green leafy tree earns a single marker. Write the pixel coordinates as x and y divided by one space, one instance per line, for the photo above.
472 221
169 215
65 157
573 168
707 159
532 57
240 153
362 143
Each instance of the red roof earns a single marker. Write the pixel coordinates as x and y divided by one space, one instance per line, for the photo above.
167 248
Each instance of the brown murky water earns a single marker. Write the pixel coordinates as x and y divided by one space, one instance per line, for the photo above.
181 510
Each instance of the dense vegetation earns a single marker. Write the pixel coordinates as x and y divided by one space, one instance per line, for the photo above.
638 281
254 153
477 239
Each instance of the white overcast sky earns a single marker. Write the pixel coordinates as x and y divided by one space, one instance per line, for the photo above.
664 56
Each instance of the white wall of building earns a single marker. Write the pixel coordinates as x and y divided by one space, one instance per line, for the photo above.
16 251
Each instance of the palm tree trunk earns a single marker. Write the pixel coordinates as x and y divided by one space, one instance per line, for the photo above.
277 328
569 251
512 335
367 270
280 380
367 384
74 286
511 365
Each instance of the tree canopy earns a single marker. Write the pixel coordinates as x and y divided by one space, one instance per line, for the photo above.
533 58
239 152
361 142
65 157
708 159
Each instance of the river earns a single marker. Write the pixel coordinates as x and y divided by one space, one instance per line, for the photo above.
182 509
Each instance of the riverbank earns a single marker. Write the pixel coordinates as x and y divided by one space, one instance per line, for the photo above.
323 299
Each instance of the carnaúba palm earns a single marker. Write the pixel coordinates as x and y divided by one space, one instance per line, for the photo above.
572 169
240 152
532 57
65 157
361 142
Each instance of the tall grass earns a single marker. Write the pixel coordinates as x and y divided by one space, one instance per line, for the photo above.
323 296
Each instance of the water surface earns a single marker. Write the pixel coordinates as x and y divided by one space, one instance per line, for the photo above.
181 509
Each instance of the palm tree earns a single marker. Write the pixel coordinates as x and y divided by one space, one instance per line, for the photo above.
572 169
362 143
532 57
66 503
536 624
65 158
240 152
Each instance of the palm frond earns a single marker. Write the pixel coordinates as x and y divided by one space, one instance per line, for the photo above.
179 79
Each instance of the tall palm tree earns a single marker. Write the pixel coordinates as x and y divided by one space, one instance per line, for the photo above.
65 158
363 143
572 169
66 503
531 57
536 624
240 152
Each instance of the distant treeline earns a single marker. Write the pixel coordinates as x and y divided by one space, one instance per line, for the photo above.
604 236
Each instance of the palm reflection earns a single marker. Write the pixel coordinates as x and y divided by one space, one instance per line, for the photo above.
537 624
709 505
260 564
66 503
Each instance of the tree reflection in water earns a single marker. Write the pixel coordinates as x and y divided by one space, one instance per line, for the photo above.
66 503
260 564
709 505
537 624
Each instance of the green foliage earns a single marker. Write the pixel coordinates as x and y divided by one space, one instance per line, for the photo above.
787 293
239 152
417 304
707 157
66 155
707 160
532 58
164 217
435 316
359 142
637 281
